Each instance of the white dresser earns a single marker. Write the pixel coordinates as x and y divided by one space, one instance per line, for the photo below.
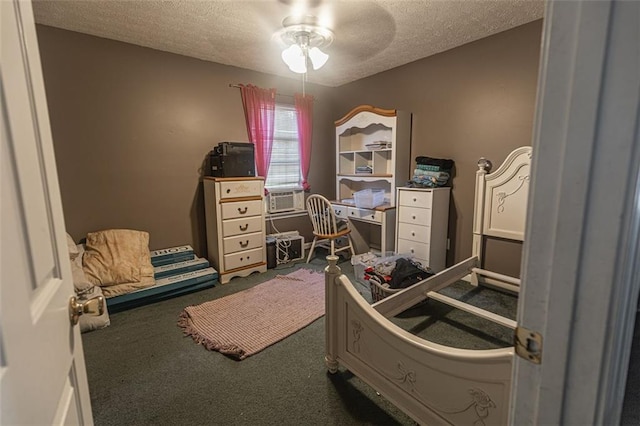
422 225
234 211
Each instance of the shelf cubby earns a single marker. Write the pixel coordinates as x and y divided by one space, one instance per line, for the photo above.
374 137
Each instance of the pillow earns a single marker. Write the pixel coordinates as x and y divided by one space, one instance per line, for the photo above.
80 281
117 256
71 247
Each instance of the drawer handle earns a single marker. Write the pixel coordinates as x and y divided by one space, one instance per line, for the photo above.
415 199
246 243
244 228
411 250
242 211
413 217
228 190
413 234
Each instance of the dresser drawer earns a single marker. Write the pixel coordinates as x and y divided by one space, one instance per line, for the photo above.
419 250
242 242
365 214
244 225
241 188
409 231
415 198
243 258
241 209
415 215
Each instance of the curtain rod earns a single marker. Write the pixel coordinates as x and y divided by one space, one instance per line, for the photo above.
277 94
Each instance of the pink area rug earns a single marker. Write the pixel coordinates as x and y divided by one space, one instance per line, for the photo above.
244 323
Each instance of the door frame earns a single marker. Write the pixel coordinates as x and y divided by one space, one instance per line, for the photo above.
581 263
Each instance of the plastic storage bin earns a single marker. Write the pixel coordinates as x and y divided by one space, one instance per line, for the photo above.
369 198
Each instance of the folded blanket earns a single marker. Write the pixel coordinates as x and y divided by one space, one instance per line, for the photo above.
428 167
440 162
423 178
436 175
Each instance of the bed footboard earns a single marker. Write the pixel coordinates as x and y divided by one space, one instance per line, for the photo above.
432 383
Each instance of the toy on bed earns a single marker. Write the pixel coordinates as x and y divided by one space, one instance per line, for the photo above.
433 383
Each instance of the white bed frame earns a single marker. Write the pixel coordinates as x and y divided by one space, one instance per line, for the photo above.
432 383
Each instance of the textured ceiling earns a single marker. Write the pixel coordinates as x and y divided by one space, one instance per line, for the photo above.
371 36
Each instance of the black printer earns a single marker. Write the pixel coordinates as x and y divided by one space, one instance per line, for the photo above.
232 159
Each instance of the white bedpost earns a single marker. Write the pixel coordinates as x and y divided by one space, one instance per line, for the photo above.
484 166
331 272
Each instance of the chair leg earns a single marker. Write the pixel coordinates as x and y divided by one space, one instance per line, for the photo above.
313 245
333 247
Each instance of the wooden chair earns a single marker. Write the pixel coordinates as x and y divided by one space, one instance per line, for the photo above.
326 228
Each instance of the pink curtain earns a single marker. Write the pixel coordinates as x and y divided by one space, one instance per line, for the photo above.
304 112
260 112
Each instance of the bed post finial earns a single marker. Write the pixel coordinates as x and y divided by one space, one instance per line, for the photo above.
484 165
332 267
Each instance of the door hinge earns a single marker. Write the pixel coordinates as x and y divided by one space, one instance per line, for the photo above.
528 344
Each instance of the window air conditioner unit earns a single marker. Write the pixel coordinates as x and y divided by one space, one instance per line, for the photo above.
285 201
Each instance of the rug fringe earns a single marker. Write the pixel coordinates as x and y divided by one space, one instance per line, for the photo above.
286 277
184 322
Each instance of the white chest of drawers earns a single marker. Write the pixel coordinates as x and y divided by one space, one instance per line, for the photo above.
234 210
422 225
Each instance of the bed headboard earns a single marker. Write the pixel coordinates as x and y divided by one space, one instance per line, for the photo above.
501 198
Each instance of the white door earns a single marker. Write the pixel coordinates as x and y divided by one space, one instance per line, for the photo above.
42 373
581 263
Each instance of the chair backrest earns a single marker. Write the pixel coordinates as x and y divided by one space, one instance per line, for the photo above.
322 216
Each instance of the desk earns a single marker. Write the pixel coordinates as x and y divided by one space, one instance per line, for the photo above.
372 229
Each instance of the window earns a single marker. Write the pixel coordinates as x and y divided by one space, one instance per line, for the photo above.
284 168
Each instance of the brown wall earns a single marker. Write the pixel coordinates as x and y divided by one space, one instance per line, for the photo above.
474 101
132 125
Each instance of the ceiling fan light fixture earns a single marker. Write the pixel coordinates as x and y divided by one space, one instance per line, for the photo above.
302 38
295 59
318 58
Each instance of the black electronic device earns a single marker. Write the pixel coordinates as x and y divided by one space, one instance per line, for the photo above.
232 159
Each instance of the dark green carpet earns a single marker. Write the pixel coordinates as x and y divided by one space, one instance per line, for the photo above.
143 371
